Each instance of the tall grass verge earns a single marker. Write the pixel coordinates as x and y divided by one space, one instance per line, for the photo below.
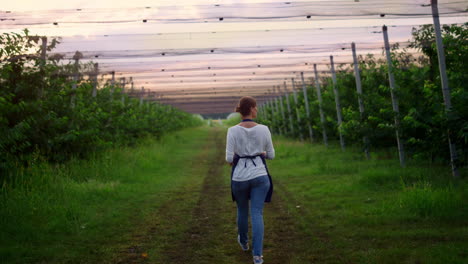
372 211
424 200
76 212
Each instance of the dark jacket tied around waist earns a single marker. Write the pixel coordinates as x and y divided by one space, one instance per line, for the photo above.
234 164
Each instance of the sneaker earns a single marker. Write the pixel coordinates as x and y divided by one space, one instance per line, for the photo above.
245 246
258 259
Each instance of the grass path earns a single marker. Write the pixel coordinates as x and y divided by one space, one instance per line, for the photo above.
328 207
197 225
169 202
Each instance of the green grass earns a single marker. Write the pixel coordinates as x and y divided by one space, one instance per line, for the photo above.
142 199
372 211
83 211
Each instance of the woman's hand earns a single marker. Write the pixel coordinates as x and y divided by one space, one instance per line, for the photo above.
264 154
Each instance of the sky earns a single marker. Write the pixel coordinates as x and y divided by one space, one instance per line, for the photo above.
220 46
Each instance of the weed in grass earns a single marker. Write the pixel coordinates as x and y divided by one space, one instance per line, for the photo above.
426 201
375 178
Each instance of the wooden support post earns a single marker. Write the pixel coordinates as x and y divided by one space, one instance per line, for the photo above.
294 90
43 51
40 93
95 80
270 113
122 93
259 112
395 106
272 118
262 111
337 103
306 102
112 84
277 110
322 115
76 66
445 85
298 116
267 111
291 126
113 78
359 93
148 102
280 100
141 95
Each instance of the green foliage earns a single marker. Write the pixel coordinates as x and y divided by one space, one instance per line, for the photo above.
424 122
41 113
232 120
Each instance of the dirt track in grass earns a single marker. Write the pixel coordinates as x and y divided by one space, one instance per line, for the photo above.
197 222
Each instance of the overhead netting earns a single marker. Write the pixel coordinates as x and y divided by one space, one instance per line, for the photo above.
235 11
189 53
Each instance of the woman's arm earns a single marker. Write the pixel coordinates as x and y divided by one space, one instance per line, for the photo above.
270 151
229 147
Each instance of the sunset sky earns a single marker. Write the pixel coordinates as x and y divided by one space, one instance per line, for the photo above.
220 44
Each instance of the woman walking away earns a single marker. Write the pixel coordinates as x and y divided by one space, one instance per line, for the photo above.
248 145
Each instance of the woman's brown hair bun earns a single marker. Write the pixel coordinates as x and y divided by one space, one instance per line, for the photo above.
245 105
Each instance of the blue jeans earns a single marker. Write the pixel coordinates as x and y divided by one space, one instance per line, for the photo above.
257 188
